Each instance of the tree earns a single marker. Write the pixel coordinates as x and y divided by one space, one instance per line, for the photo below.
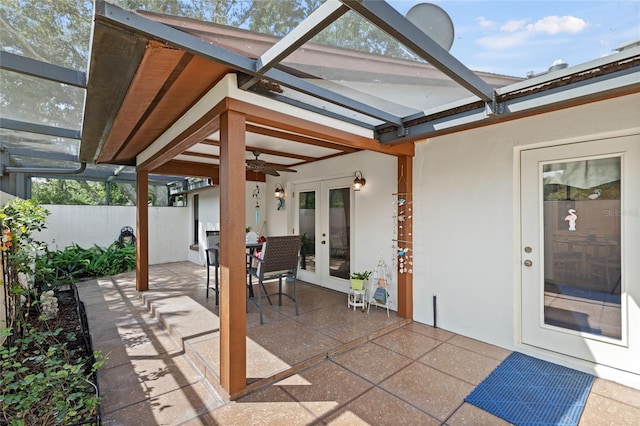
58 32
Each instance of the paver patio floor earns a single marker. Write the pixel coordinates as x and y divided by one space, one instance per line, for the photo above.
327 365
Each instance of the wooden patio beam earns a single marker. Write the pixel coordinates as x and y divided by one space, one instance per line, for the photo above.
142 231
196 132
297 138
188 168
233 317
195 169
268 117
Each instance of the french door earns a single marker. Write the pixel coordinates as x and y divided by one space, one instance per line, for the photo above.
580 218
324 219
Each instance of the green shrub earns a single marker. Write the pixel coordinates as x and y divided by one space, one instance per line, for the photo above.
60 267
41 382
18 220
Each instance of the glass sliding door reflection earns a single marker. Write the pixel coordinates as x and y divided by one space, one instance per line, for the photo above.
339 232
307 225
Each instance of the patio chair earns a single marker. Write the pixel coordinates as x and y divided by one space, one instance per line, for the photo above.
278 259
213 259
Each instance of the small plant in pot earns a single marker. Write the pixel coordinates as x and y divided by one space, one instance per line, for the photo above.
358 279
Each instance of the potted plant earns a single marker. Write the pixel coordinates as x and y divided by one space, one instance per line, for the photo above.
358 279
306 248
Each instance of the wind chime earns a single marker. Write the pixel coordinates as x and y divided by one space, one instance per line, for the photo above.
403 240
256 195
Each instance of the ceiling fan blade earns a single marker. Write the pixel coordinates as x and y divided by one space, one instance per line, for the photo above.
262 166
256 163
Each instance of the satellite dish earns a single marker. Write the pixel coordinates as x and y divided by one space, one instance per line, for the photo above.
434 22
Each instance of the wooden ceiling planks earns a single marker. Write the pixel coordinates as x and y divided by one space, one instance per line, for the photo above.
167 84
155 67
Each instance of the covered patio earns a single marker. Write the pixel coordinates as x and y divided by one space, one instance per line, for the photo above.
174 97
196 100
181 107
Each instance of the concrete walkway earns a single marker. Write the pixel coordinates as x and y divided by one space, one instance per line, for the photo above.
329 365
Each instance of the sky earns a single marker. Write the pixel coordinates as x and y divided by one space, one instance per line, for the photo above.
518 37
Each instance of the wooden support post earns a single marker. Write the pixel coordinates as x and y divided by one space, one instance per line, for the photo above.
405 280
142 231
233 317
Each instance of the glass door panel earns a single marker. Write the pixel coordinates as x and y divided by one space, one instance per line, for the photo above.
307 229
582 246
339 232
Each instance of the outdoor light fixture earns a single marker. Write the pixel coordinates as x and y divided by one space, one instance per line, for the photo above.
279 194
359 181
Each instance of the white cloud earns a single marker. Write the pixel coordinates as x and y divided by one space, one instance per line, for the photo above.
503 41
484 22
558 24
512 26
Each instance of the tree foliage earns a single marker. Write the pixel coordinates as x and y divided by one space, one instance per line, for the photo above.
80 192
58 32
64 191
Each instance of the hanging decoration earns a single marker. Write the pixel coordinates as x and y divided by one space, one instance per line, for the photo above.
279 194
256 195
571 218
403 233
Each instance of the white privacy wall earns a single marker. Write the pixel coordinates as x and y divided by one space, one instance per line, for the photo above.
466 218
101 225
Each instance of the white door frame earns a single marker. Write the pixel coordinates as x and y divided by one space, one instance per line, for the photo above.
620 355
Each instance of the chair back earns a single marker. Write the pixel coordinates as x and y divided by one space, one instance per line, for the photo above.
213 238
279 254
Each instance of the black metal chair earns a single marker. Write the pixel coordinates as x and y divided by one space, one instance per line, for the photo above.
278 259
212 251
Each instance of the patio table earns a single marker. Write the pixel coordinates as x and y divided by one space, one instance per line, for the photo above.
215 251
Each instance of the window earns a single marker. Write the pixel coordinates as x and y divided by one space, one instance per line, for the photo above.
196 218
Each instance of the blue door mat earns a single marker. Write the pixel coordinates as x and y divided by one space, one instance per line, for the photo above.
527 391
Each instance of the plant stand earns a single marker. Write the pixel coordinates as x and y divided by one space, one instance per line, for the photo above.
357 299
379 294
380 297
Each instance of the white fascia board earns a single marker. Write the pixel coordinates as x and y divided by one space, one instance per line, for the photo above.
274 105
566 94
577 69
228 87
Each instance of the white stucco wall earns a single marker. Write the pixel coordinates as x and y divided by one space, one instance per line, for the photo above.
466 218
209 214
373 205
101 225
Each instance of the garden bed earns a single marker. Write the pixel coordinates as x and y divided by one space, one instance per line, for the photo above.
52 376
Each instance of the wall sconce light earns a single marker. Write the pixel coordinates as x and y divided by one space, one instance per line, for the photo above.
279 194
359 181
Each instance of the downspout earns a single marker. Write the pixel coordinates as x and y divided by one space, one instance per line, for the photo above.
45 170
109 179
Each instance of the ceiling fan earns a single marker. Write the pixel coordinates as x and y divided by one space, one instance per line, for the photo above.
264 167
